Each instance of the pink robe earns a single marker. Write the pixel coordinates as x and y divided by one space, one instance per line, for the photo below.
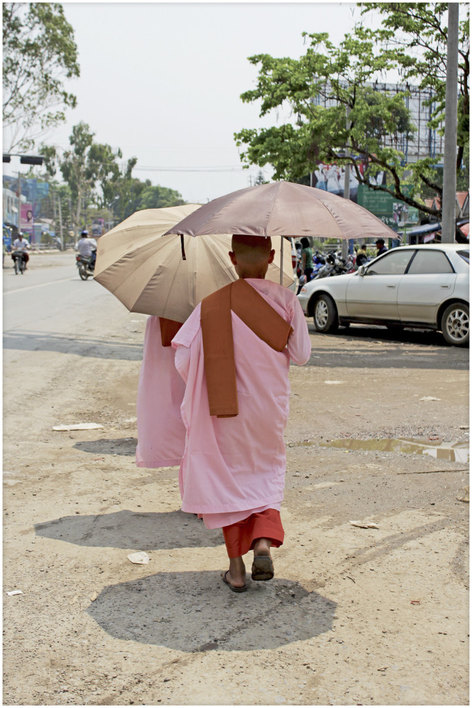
161 432
235 466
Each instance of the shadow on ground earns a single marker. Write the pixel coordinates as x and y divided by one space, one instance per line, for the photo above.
132 530
195 612
118 446
379 348
87 347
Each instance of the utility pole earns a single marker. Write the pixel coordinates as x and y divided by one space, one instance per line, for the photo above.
60 221
347 190
58 211
448 224
18 194
347 195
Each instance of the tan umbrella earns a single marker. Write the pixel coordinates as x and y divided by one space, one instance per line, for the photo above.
283 208
146 271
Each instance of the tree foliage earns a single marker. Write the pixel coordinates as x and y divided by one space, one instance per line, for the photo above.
39 54
335 112
93 175
415 35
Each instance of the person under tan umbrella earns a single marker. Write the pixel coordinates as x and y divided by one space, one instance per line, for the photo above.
235 366
148 273
233 354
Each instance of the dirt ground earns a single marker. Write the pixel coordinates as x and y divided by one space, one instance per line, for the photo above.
374 616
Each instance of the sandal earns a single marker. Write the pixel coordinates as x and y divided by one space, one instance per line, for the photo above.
262 568
234 588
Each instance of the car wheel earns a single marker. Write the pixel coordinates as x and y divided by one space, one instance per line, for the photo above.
325 315
455 324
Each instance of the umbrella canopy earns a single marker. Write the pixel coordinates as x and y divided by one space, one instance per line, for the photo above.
284 208
145 270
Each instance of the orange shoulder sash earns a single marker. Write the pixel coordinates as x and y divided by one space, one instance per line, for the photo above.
217 333
169 329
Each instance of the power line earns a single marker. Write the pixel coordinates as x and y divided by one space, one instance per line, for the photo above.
187 169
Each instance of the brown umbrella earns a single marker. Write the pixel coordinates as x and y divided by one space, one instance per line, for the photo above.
284 208
147 273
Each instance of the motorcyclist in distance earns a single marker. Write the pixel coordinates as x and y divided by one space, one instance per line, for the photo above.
22 245
87 248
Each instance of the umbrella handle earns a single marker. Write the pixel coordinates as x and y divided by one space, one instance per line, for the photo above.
182 247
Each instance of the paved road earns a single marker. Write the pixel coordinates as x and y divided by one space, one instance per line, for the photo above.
51 308
48 298
50 302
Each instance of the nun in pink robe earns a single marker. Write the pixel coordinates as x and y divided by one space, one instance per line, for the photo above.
161 432
234 467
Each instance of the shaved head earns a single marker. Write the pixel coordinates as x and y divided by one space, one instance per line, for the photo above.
251 255
251 249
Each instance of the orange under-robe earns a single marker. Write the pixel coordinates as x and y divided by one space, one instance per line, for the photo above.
240 537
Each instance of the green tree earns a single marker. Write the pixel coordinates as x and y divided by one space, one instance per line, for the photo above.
90 170
39 54
156 197
93 176
415 36
260 179
75 171
336 115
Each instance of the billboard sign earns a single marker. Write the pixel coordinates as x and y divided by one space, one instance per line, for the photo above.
392 212
26 218
331 178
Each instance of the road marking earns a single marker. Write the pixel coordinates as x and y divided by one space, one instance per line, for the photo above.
33 287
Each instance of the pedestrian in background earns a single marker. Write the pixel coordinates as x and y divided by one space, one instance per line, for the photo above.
361 256
380 246
306 263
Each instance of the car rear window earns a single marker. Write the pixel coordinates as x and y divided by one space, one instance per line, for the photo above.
430 262
464 255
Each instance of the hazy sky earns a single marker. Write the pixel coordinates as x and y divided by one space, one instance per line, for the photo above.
162 81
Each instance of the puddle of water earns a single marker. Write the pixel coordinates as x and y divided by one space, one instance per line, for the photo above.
451 452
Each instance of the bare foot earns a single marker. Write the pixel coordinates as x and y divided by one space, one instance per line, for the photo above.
236 575
262 547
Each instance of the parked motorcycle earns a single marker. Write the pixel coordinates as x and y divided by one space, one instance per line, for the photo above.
85 267
335 265
19 261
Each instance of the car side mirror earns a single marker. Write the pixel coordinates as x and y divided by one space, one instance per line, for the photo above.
362 270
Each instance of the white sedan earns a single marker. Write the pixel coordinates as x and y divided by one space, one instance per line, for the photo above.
425 286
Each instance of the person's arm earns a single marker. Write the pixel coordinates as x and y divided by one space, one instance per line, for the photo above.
182 342
299 344
182 361
303 260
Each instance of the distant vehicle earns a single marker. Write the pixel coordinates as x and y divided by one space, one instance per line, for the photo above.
423 286
85 266
19 262
98 227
